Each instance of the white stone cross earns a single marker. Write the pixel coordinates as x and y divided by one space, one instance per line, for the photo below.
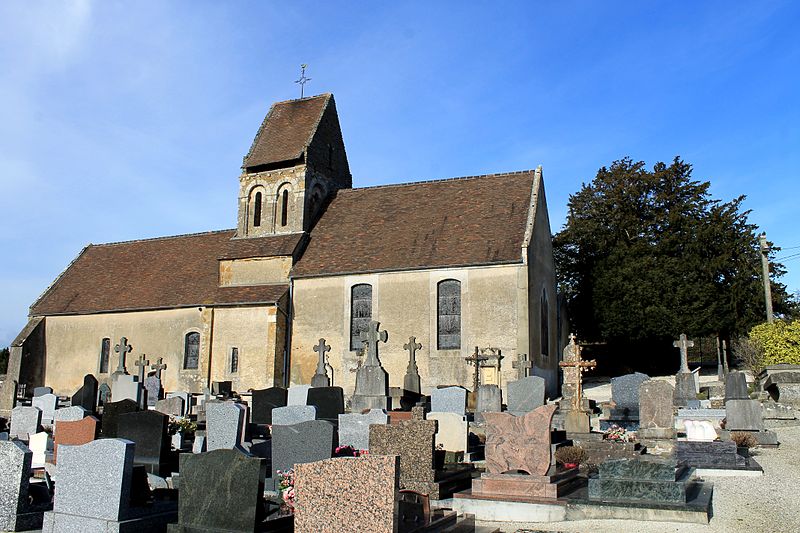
371 338
123 348
684 344
412 346
322 349
142 363
159 366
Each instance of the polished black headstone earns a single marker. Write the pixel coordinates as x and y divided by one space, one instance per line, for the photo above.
305 442
264 401
329 402
220 490
111 413
86 396
148 429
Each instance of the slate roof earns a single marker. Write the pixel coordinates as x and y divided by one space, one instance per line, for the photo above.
168 272
286 131
477 220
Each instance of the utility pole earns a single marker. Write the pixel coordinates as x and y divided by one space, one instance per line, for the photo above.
762 239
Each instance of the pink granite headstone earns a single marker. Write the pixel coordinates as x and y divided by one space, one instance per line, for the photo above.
519 442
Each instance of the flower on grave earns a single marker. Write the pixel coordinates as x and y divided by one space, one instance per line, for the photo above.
180 424
618 434
286 486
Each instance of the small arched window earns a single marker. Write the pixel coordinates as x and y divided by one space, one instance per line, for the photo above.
449 315
191 350
284 207
360 313
234 360
544 315
105 350
257 210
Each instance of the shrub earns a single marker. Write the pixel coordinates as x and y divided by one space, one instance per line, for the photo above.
750 354
779 340
570 454
744 439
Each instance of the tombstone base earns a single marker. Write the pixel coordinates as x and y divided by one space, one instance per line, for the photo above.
320 380
522 486
411 383
685 389
577 422
655 433
360 402
160 514
22 521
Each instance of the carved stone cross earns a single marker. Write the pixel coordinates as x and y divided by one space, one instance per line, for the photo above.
123 348
158 367
575 361
684 344
142 363
523 365
476 359
412 346
371 338
321 349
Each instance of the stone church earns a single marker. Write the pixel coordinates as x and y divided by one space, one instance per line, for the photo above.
456 263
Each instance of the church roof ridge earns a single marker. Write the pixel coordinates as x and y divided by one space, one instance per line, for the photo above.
440 180
162 238
320 95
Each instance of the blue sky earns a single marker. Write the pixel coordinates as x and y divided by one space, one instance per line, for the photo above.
129 120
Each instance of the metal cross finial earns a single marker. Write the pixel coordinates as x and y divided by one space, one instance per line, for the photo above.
322 348
159 366
303 80
123 348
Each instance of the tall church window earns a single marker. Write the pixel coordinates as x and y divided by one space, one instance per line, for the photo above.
234 360
257 210
360 313
544 316
284 207
105 350
449 315
191 350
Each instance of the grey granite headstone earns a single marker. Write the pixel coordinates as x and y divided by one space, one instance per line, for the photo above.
298 395
293 414
187 401
685 389
490 400
354 427
736 386
25 421
154 392
199 445
17 510
743 415
301 443
71 414
47 403
171 406
449 400
655 405
126 387
224 425
41 391
525 395
625 390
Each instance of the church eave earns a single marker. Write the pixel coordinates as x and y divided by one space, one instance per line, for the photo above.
519 261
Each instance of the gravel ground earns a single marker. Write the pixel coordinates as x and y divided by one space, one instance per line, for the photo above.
770 503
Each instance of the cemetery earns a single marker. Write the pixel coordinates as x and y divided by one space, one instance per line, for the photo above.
309 459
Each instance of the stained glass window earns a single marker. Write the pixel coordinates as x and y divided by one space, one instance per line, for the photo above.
105 350
257 210
360 313
234 360
191 352
449 315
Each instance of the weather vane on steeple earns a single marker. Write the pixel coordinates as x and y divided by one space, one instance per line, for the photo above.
303 80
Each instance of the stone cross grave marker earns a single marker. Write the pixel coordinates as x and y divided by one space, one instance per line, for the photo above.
142 363
153 386
371 338
684 344
158 367
523 364
574 367
321 378
123 349
372 381
411 381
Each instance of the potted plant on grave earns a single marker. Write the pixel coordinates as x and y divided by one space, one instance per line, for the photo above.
617 433
286 489
570 456
744 441
180 428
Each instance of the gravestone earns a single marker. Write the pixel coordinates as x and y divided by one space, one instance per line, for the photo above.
126 387
39 444
148 430
411 381
86 396
224 425
625 390
372 381
297 395
19 509
685 380
171 406
222 388
111 413
573 405
221 490
300 443
25 421
645 478
199 444
293 414
525 395
264 401
47 403
187 401
354 427
413 441
329 402
451 431
449 400
154 391
320 378
743 415
41 391
74 433
103 394
656 412
96 490
490 400
70 414
736 386
324 489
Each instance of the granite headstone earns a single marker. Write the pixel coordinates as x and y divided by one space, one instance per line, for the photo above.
354 427
449 400
47 403
224 425
111 413
329 402
25 421
148 430
297 395
625 390
264 401
301 443
86 396
525 394
293 414
19 509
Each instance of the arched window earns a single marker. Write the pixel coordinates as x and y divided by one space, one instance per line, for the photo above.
257 210
191 350
105 350
360 313
544 316
284 207
234 360
449 315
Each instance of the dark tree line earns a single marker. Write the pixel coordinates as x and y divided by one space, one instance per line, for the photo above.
648 254
5 353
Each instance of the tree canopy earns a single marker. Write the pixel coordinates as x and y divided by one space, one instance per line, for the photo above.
648 254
